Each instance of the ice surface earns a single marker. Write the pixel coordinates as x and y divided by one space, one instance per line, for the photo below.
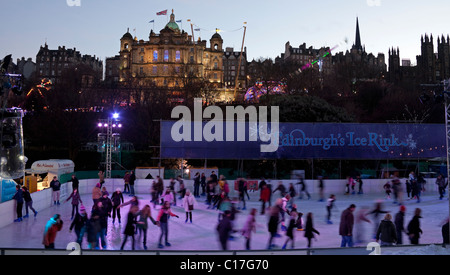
201 234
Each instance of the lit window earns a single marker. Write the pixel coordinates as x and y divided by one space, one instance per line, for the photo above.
166 56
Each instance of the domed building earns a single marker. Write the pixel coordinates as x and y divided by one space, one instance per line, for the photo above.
167 59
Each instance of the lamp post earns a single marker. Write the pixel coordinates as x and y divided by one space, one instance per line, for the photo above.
110 125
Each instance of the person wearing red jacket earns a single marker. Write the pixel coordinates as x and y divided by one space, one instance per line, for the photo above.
264 198
54 225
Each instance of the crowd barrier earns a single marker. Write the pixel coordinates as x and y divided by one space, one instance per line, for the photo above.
392 250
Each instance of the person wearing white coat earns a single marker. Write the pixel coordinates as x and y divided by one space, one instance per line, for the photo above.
188 204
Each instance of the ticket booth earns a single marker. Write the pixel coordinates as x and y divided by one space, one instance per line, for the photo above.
43 171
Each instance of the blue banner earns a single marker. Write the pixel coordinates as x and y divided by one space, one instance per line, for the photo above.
307 141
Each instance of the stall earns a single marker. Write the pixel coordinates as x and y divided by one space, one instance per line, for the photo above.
43 171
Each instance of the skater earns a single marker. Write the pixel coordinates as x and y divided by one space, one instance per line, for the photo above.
376 219
408 189
309 229
101 178
346 226
400 224
142 224
224 229
28 202
397 190
203 184
75 182
414 230
387 189
189 203
52 227
130 226
169 197
321 189
280 188
182 190
241 189
210 191
330 205
349 182
96 193
197 185
291 190
360 220
76 200
163 223
299 223
290 230
283 210
105 213
387 232
132 181
445 233
249 227
273 224
126 180
264 198
56 190
79 223
116 200
440 182
18 197
360 185
99 214
303 189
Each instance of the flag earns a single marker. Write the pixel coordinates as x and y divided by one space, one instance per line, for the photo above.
164 12
179 21
152 21
197 30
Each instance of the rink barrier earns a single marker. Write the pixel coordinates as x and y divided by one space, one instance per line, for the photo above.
354 251
43 199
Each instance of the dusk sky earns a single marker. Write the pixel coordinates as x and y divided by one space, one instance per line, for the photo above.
96 26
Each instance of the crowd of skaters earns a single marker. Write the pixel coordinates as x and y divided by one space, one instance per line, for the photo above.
284 216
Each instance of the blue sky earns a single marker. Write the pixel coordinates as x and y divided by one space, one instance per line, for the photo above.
97 25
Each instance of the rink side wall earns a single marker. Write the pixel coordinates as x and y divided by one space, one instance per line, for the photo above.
43 199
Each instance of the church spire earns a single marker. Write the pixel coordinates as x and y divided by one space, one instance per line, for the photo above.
358 45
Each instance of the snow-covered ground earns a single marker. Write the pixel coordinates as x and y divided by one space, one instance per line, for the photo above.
201 234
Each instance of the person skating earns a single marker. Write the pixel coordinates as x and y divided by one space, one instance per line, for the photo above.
116 200
142 224
79 223
52 227
163 222
387 233
346 226
414 230
130 226
400 224
188 204
76 200
330 205
28 202
18 197
224 229
249 227
309 229
290 230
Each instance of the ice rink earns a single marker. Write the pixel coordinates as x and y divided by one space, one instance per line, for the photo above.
201 234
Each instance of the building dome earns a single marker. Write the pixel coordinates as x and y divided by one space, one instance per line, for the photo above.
127 35
172 24
216 36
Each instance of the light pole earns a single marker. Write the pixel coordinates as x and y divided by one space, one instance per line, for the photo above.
111 125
